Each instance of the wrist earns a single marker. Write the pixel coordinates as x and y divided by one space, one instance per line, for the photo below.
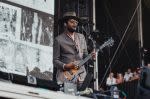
64 66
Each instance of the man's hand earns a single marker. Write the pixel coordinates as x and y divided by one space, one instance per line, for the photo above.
70 66
93 55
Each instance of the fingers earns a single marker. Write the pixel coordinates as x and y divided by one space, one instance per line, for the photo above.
94 55
71 66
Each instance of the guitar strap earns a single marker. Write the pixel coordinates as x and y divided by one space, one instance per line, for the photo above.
77 42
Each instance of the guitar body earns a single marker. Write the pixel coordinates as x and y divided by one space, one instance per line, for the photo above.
73 75
70 75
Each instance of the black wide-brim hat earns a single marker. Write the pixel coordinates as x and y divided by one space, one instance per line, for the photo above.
69 15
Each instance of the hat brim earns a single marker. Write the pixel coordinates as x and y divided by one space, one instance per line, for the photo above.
70 17
64 19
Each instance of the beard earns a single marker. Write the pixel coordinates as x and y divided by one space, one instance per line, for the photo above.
71 29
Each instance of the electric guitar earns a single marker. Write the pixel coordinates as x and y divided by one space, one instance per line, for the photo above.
72 75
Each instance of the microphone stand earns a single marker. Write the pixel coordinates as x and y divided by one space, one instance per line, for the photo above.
96 86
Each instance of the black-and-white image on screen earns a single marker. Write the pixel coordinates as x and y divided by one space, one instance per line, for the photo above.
26 39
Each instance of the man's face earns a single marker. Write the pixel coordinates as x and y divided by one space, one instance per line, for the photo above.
129 70
72 25
148 65
111 75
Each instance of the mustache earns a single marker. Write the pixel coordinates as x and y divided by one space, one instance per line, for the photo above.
71 29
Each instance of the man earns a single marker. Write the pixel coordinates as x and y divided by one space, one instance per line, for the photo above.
128 75
69 48
111 80
144 83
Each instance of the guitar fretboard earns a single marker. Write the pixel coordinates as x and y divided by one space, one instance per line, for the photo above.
107 43
84 60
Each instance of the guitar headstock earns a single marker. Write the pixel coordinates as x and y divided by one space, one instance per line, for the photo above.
109 42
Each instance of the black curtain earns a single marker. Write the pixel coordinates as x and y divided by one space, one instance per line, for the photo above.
112 20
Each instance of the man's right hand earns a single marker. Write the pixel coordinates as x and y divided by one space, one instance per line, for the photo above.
69 66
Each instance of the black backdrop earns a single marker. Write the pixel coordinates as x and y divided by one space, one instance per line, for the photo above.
112 18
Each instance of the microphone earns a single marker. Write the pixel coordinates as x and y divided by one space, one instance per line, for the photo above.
87 91
85 21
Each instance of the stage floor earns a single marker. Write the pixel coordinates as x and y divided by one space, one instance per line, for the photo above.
16 91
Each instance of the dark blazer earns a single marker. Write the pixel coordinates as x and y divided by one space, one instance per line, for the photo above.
65 51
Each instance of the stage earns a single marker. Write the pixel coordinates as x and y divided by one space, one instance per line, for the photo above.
9 90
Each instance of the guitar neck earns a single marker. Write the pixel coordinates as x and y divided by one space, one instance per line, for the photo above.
85 60
107 43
